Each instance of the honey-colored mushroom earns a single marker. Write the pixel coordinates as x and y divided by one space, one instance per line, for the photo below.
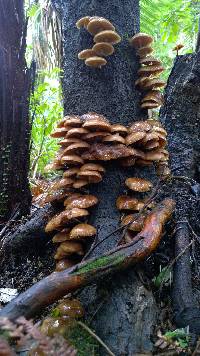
149 105
62 183
71 172
138 184
150 61
153 95
92 167
103 49
141 40
90 176
72 121
79 183
107 36
59 132
95 62
120 129
68 141
83 22
76 132
68 248
65 217
72 308
125 202
72 160
86 53
143 51
81 231
93 116
76 148
61 236
96 136
153 84
135 222
104 152
99 24
81 201
97 125
116 138
153 70
140 126
135 137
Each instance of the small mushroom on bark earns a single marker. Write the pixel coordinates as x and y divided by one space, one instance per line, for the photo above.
124 202
76 132
83 22
71 308
143 51
90 176
141 40
65 217
135 222
99 24
61 236
59 132
120 129
96 136
154 83
95 62
79 183
150 61
153 70
72 121
72 160
97 125
71 172
86 53
116 138
68 248
76 148
69 141
62 183
107 36
92 167
138 184
80 201
103 49
82 231
135 137
104 152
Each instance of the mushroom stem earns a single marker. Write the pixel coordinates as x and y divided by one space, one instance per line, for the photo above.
56 285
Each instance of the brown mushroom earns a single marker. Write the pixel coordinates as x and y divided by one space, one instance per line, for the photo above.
90 176
103 49
71 172
81 201
86 53
149 105
68 141
150 61
92 167
156 155
116 138
97 125
62 183
120 129
143 51
95 136
99 151
107 36
95 62
140 126
72 160
76 148
135 137
61 123
99 24
135 222
83 22
57 195
146 71
141 40
79 183
143 163
71 308
138 184
64 264
72 121
93 116
153 84
153 95
61 236
124 202
149 137
140 82
150 145
81 231
59 132
64 217
69 248
76 132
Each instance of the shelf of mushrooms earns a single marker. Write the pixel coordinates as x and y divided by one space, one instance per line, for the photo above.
105 36
148 82
86 142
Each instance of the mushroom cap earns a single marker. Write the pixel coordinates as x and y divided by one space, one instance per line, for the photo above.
116 138
99 24
136 222
61 236
90 176
76 132
79 183
150 145
141 40
82 230
97 125
65 217
149 105
120 129
156 155
134 137
62 183
93 116
143 163
150 70
92 167
140 126
153 83
68 248
72 160
81 201
153 95
76 148
124 202
59 132
138 184
95 62
96 136
71 308
140 82
101 152
103 49
86 53
107 36
150 61
71 172
149 137
83 22
64 264
56 195
143 51
72 121
68 141
178 47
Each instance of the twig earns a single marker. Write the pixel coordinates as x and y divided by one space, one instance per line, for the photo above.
96 337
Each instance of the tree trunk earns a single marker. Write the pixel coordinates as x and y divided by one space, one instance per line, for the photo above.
181 117
123 323
14 106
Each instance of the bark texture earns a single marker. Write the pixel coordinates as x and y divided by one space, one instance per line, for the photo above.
111 92
181 117
14 119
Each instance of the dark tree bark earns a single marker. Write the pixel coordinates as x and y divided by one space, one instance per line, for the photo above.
123 324
181 117
14 103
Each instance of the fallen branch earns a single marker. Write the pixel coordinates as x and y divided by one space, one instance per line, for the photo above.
58 284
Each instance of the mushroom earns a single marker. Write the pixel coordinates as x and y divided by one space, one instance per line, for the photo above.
153 95
61 236
82 231
153 84
120 129
68 141
59 132
134 137
57 195
177 48
64 264
81 201
76 132
99 151
138 184
61 123
143 162
149 105
107 36
76 148
141 40
65 217
135 222
90 176
143 51
140 82
92 167
72 121
95 136
116 138
86 53
79 183
140 126
153 70
71 160
97 125
155 155
150 61
62 183
151 145
83 22
103 49
71 172
95 62
69 248
99 24
71 308
124 202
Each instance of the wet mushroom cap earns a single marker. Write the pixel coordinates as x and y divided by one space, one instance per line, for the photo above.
86 53
140 126
140 82
59 132
76 148
97 125
150 105
155 155
120 129
150 61
116 138
71 247
138 184
76 132
61 123
68 141
141 40
153 95
61 236
93 116
135 137
102 152
64 217
153 83
100 24
150 70
79 183
72 160
82 231
71 308
72 121
95 62
92 167
95 136
62 183
90 176
124 202
103 49
107 36
71 172
82 201
83 22
135 222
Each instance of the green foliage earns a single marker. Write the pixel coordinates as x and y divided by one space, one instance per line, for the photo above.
84 343
46 110
178 335
163 277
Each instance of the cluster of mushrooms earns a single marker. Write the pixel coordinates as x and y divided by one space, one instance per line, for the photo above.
86 141
105 36
150 69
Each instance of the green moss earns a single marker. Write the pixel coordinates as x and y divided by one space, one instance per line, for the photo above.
84 343
100 262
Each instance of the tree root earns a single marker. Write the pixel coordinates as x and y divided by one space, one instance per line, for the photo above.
58 284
